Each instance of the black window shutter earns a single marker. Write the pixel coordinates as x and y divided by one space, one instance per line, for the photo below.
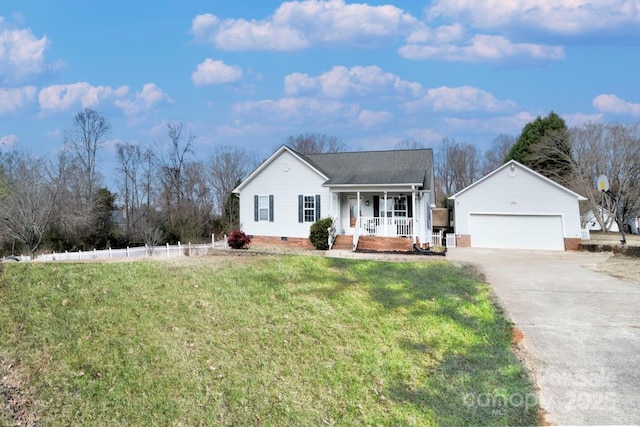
376 206
318 211
271 208
300 208
256 216
409 207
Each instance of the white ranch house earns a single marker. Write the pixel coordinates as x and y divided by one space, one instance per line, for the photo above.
374 194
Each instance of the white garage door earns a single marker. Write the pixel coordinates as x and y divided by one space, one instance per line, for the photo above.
516 231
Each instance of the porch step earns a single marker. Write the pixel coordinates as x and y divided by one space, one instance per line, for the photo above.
342 242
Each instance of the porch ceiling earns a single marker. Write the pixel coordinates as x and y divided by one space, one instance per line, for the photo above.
396 188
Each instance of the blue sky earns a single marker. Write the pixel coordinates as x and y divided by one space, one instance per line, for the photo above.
251 73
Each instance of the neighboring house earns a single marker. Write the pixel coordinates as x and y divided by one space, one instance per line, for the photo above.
382 194
591 223
515 207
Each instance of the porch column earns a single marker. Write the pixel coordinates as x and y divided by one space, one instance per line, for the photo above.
386 225
359 208
331 213
414 210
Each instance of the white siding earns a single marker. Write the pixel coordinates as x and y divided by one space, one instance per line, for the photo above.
285 184
517 192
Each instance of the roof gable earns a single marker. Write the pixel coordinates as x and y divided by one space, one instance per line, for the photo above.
526 170
271 159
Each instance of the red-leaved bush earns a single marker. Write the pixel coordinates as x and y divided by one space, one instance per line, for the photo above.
238 240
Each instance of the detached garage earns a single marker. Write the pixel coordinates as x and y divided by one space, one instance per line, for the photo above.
515 207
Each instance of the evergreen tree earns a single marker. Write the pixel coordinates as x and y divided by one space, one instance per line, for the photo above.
544 146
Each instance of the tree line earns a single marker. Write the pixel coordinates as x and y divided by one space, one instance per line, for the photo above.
161 194
166 194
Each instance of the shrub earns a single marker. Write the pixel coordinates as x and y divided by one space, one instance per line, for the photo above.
238 240
319 233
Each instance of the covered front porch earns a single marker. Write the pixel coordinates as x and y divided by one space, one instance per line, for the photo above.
398 213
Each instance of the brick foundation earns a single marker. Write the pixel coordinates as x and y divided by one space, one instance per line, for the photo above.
572 244
290 242
463 241
374 243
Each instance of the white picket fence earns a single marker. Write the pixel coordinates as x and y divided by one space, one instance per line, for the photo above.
165 251
584 234
438 239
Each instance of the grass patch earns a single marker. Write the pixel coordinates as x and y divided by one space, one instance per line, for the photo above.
286 340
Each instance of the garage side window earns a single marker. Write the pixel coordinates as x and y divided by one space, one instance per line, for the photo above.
263 208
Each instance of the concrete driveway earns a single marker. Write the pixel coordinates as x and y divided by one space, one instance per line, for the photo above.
581 330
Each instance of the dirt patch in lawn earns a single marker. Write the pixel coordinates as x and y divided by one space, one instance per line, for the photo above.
621 266
16 407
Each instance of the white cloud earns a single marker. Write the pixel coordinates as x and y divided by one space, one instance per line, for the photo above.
8 141
63 97
21 54
494 125
145 100
296 108
371 119
613 104
298 25
443 34
568 17
212 72
578 119
425 135
57 98
341 82
13 100
483 48
463 98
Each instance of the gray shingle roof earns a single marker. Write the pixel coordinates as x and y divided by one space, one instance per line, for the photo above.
376 167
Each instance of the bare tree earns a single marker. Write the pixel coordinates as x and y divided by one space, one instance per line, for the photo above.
29 200
315 143
495 155
137 182
197 214
152 238
148 188
172 176
84 139
457 165
409 144
227 167
612 150
130 158
73 216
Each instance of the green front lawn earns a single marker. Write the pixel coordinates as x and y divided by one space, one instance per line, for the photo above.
276 340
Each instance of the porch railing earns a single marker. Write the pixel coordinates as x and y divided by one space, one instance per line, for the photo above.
356 234
332 233
436 239
384 227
